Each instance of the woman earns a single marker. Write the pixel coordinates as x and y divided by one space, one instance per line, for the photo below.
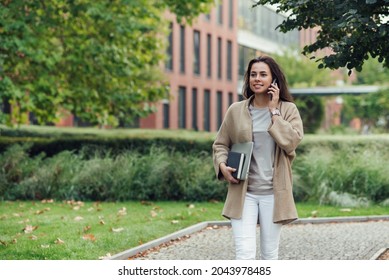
270 119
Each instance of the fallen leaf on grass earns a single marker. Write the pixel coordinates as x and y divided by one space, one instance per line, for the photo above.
59 241
153 214
122 211
45 246
102 222
78 218
117 229
38 212
191 206
314 214
3 243
47 201
106 257
75 203
90 237
86 228
33 237
144 202
28 229
345 210
175 222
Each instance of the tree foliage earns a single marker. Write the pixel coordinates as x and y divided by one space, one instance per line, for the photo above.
373 73
99 60
300 71
352 29
372 109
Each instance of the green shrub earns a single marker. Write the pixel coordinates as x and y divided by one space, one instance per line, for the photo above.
15 167
349 176
52 178
158 175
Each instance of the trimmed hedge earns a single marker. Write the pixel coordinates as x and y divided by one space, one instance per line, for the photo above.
53 146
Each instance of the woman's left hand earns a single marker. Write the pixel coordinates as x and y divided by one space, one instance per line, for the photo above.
274 91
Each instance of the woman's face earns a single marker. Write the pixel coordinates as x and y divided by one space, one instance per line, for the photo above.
260 77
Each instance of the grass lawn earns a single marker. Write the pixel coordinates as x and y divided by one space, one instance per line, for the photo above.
39 230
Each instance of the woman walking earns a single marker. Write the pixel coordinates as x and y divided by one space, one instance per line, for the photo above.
269 118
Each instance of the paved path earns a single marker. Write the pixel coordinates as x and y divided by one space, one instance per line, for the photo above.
322 241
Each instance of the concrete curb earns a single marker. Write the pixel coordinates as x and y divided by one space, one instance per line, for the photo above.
200 226
378 253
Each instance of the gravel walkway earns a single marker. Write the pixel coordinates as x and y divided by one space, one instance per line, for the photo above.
322 241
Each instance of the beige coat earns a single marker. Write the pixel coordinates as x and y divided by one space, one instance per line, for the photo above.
286 131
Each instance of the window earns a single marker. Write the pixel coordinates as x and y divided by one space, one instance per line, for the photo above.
220 13
230 14
196 54
181 107
166 112
229 60
230 98
207 112
209 55
182 49
219 108
194 109
166 116
245 55
219 58
242 66
169 51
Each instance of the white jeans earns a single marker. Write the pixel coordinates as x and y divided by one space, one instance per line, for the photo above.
244 229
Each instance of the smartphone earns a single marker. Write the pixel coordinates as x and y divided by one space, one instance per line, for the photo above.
272 83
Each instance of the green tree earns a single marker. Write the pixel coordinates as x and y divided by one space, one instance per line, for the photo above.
373 73
372 109
352 29
301 71
99 60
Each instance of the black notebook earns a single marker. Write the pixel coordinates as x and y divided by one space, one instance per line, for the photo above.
236 160
247 149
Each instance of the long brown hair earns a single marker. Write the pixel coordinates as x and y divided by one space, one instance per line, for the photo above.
276 73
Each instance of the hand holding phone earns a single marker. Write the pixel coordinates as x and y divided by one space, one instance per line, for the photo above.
273 83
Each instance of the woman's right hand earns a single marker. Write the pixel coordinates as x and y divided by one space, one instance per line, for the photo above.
227 173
